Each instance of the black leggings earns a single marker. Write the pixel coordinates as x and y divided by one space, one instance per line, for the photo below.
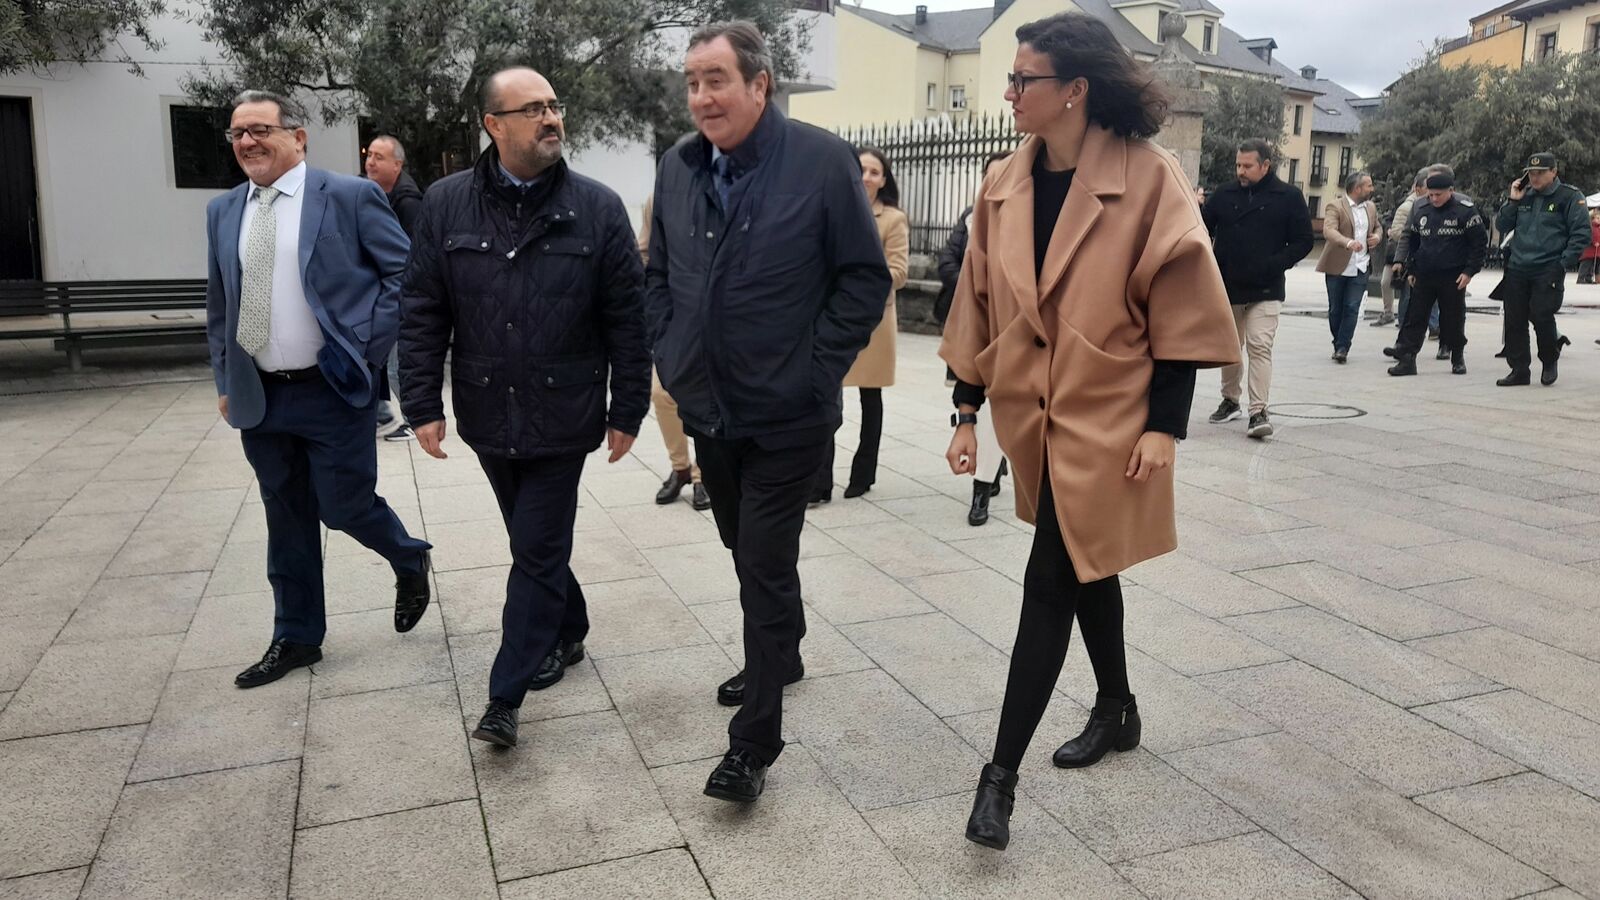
1051 595
864 466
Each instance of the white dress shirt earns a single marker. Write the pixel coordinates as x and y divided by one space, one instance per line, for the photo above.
1359 259
293 335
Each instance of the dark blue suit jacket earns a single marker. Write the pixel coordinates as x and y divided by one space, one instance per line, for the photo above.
352 255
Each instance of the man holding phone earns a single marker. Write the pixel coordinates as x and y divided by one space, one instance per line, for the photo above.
1552 230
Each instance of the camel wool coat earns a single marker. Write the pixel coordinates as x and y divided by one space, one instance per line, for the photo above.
1066 358
874 367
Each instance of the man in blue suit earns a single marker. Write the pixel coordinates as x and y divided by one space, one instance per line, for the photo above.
302 307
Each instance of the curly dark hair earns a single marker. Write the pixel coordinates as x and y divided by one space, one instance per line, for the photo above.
889 194
1124 94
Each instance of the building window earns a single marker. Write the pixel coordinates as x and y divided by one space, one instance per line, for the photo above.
1314 203
1547 44
1294 172
1591 40
1210 33
201 156
1299 118
1346 160
933 95
958 96
1319 159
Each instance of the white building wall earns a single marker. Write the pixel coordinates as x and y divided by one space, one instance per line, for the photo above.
108 204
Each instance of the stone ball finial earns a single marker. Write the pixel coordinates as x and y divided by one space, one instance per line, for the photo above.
1173 25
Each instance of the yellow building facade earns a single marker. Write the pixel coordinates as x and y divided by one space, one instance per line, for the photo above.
1558 26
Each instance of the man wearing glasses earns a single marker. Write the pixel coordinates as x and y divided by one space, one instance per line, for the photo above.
527 274
302 305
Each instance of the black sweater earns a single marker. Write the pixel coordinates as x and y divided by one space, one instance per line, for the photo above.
1172 382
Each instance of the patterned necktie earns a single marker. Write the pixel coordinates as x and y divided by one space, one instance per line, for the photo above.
722 169
255 290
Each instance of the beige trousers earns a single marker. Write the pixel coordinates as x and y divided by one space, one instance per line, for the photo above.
1257 324
671 428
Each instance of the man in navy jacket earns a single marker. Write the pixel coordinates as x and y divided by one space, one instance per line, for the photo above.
302 305
529 275
766 278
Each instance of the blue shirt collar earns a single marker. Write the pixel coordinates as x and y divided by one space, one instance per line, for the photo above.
513 180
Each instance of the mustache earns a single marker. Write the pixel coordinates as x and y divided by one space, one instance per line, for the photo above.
549 131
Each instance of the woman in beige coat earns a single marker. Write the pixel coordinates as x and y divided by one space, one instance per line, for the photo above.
1088 298
874 367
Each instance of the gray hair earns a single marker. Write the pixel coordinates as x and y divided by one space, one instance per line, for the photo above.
1440 169
396 149
1353 179
1422 177
1258 146
290 113
749 47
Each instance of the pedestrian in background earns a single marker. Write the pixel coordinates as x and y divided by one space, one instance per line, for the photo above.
1259 229
1591 253
1350 229
991 464
1089 388
385 164
873 369
1444 245
1552 230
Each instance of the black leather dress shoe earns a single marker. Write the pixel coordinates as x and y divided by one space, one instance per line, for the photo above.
1442 353
990 822
702 500
498 725
411 595
739 778
1514 379
555 664
1113 725
672 488
281 657
1547 373
731 692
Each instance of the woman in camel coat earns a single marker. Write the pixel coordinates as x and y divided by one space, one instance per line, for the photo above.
1088 298
874 367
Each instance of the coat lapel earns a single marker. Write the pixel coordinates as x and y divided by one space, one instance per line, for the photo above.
1012 243
228 240
311 210
1101 172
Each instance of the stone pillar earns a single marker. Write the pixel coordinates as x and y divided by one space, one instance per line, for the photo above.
1190 102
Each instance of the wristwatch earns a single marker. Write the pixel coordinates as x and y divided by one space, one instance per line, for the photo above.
960 418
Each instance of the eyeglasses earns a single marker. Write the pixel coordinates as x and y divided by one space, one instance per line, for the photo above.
534 110
259 132
1020 82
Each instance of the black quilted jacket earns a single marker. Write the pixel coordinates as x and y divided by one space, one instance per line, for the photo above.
537 292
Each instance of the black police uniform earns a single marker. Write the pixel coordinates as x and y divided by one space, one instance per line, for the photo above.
1439 245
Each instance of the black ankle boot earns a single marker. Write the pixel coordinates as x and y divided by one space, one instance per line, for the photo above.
1458 361
990 822
981 492
1113 725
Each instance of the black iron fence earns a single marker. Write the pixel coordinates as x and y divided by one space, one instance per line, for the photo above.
938 165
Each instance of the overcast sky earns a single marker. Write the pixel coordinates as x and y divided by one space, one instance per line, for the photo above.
1362 44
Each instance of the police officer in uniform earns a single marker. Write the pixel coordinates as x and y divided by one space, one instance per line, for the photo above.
1552 229
1442 247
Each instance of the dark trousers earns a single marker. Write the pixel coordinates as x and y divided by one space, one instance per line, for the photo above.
1432 289
315 461
1344 307
1405 306
864 465
1052 596
1532 298
544 604
1586 271
758 496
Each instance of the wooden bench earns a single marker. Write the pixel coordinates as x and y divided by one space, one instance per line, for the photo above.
66 299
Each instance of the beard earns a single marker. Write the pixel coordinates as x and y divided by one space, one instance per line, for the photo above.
539 155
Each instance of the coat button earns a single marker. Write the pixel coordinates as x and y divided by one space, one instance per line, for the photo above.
513 451
484 245
508 326
708 235
586 248
1041 403
547 246
1039 342
550 380
485 379
511 254
512 389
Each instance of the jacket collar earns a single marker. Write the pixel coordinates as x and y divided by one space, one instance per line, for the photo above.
1101 172
552 188
760 144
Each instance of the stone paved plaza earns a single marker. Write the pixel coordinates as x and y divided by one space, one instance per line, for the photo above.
1372 669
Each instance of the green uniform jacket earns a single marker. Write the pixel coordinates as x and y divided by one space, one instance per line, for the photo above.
1552 228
